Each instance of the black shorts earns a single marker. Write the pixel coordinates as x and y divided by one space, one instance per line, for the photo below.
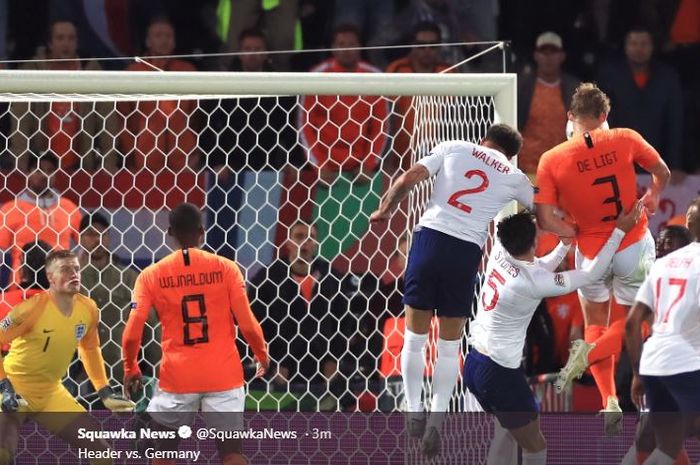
441 273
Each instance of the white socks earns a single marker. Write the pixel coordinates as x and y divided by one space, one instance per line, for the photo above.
630 457
659 458
445 375
412 368
503 449
537 458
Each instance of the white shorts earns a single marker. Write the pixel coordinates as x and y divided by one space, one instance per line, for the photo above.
625 274
222 410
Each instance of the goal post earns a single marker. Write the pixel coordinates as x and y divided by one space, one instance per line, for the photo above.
236 118
244 156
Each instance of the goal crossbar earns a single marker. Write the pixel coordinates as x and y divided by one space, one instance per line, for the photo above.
501 86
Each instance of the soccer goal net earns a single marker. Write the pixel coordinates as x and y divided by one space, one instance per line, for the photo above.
286 169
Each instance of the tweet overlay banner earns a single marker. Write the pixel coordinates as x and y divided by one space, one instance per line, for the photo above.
295 438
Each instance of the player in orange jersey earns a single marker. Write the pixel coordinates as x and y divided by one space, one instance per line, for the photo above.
199 298
44 332
592 178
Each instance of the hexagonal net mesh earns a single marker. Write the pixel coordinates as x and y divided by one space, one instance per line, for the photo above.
261 168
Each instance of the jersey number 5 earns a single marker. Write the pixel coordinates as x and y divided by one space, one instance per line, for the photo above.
481 187
494 278
188 320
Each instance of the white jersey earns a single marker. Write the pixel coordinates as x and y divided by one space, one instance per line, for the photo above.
513 289
472 184
672 291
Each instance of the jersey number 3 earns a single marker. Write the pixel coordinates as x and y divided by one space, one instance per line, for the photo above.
188 320
481 187
614 199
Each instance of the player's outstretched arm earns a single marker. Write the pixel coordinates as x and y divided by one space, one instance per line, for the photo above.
554 258
18 322
633 342
91 355
131 338
660 175
399 191
552 284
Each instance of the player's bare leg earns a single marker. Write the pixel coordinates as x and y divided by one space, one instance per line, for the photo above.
9 437
644 444
445 375
231 452
669 431
413 366
503 449
531 440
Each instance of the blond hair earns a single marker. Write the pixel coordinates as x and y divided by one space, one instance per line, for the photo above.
589 101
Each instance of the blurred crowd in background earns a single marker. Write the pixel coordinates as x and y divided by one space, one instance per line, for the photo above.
644 54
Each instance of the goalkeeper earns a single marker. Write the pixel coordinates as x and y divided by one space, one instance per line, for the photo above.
45 330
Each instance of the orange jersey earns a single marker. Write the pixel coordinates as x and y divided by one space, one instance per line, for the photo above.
565 313
26 220
592 178
196 295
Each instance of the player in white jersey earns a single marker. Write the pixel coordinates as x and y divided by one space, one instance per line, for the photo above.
515 284
472 184
667 372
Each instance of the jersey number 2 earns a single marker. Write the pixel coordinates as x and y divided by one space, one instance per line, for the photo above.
481 187
188 320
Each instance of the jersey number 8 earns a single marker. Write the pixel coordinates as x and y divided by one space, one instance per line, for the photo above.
190 320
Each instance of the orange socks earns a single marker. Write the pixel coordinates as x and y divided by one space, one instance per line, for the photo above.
682 458
609 343
604 370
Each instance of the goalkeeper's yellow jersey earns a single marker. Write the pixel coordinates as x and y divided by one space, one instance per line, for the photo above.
43 341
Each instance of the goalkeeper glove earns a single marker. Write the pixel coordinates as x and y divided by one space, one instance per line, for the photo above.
114 401
8 397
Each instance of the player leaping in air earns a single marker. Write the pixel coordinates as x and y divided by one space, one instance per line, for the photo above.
472 184
44 332
592 178
515 284
199 298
